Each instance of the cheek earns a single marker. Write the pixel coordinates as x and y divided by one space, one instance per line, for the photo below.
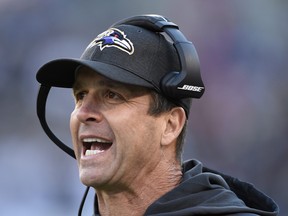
138 135
74 125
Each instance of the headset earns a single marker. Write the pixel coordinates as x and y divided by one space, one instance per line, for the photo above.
186 83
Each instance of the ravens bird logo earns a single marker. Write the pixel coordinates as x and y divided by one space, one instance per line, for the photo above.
113 38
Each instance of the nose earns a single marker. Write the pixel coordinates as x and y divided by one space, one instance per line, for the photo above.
89 110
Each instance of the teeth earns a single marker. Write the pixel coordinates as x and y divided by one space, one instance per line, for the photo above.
94 140
93 152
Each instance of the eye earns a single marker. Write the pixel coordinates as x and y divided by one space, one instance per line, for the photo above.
80 95
113 96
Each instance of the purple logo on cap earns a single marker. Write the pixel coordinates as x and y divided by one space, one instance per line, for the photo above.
113 38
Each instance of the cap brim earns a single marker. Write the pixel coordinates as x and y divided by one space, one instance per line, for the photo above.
61 73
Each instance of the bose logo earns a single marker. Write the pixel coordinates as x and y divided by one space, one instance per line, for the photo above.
191 88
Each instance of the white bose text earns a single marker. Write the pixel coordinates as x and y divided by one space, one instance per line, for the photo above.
191 88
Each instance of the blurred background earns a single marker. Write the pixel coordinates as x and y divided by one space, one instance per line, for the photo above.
239 127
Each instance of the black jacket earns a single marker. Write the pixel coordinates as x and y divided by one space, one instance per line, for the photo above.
205 192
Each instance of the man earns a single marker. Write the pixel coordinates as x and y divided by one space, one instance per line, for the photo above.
129 122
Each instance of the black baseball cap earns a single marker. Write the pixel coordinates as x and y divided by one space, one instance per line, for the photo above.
125 53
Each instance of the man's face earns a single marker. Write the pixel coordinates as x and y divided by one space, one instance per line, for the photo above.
115 141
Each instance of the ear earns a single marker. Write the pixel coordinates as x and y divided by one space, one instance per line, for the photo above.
174 124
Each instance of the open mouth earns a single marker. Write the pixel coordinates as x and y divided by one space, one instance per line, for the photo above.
93 146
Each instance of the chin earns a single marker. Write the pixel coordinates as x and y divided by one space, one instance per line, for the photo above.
91 180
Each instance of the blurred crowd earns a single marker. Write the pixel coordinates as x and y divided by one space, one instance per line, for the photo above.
239 126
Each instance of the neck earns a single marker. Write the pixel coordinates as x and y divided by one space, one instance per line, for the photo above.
135 198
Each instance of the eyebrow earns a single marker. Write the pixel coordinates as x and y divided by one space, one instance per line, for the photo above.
101 83
109 83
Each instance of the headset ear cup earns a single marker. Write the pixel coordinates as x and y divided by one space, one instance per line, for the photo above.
168 84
